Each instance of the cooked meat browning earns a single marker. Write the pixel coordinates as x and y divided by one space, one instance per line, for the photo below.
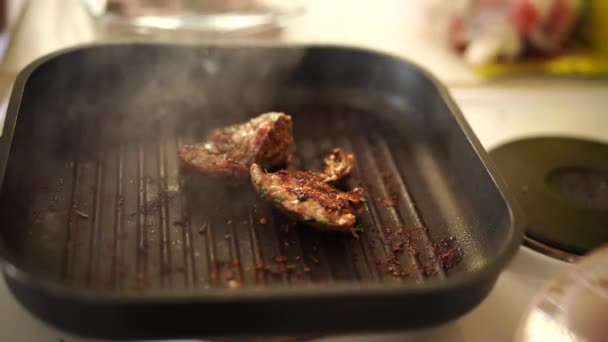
305 196
338 165
231 150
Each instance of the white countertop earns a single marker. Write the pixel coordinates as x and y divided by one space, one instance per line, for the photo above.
497 111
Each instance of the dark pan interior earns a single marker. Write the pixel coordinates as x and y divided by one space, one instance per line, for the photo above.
94 197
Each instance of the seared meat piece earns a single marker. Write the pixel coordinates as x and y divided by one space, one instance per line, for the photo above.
338 165
231 150
305 196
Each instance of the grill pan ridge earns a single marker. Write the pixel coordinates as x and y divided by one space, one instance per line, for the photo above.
105 235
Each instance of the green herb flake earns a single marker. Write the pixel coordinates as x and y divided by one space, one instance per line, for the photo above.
359 229
355 231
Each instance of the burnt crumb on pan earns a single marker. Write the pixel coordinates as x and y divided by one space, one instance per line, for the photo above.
389 201
282 265
395 261
397 247
429 269
444 253
279 259
260 267
234 284
229 275
140 281
37 215
449 253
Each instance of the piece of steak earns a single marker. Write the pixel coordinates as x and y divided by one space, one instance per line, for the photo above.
230 151
306 196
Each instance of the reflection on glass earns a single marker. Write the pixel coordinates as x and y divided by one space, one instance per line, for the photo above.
208 16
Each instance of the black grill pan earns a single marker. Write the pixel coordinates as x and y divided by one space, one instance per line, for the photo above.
104 235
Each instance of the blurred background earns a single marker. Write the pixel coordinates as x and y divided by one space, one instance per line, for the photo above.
464 42
518 69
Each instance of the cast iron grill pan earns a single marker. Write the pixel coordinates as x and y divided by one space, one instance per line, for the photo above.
106 234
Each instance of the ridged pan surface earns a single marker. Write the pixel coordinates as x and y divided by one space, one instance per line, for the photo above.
105 234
